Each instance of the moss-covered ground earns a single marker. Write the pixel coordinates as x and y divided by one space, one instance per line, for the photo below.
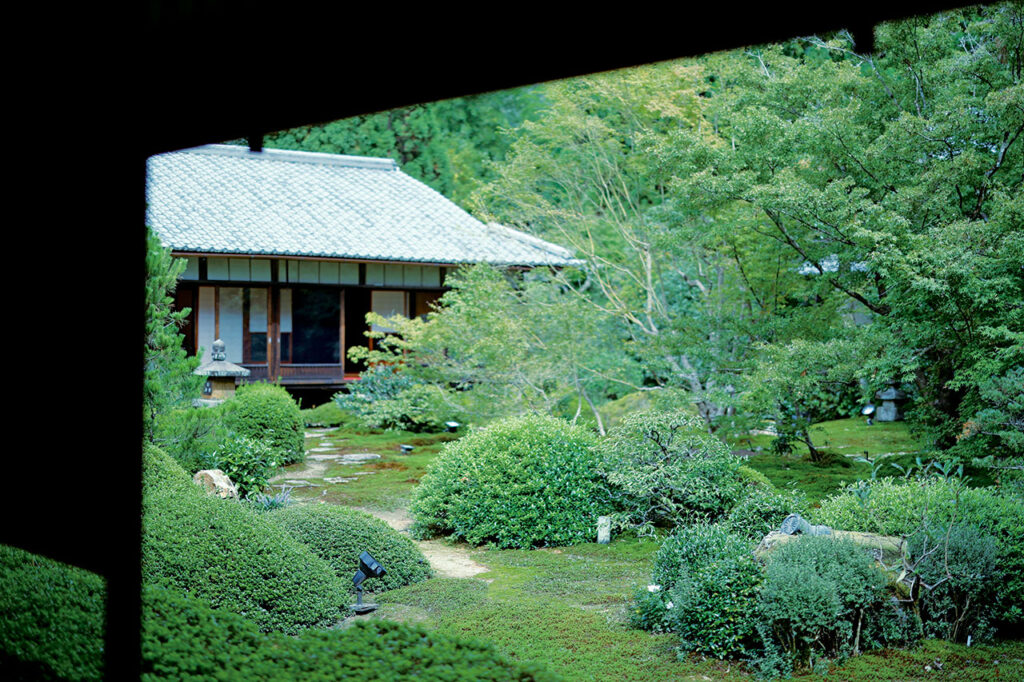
568 607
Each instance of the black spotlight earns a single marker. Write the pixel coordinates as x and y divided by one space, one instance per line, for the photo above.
452 426
406 449
368 568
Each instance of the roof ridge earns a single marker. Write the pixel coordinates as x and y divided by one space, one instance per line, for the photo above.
542 244
293 155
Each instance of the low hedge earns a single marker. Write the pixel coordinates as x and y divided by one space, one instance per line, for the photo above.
224 552
52 623
338 535
267 412
520 482
52 629
184 639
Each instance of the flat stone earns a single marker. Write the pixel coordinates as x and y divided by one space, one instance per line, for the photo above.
301 483
323 448
322 458
338 479
363 473
357 457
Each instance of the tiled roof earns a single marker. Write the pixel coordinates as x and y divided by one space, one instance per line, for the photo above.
227 199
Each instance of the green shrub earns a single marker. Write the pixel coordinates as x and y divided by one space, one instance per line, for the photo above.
328 414
191 436
227 554
665 469
183 638
710 579
520 482
818 595
52 626
960 563
248 462
763 510
901 507
338 535
385 397
267 413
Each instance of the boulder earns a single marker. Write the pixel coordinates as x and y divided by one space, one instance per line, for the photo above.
216 482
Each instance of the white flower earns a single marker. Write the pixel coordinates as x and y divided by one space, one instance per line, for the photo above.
668 605
653 588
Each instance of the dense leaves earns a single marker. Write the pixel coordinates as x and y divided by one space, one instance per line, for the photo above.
520 482
338 535
232 557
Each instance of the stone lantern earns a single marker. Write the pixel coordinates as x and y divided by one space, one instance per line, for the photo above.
892 399
220 377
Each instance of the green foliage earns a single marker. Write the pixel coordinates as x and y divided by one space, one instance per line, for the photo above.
905 507
450 144
338 535
763 509
184 639
191 436
958 566
267 413
262 502
168 381
665 469
326 415
248 462
234 558
520 482
799 384
710 580
387 397
505 343
819 594
893 180
53 618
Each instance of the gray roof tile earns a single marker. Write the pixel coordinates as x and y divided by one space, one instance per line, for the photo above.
226 199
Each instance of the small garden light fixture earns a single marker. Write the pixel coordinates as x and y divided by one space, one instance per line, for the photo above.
869 412
368 568
452 426
406 449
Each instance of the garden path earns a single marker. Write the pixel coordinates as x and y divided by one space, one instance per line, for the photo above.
447 560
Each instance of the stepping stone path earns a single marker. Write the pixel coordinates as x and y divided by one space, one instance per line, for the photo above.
338 479
353 458
300 483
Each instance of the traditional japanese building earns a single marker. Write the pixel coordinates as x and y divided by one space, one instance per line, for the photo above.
287 251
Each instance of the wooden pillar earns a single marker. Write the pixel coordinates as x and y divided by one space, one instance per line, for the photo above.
274 325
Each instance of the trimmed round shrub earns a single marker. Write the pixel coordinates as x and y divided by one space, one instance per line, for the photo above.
903 507
520 482
268 413
763 510
818 596
183 638
710 579
234 558
53 616
338 535
248 462
666 470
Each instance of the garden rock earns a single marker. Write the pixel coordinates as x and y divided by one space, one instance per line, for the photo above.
216 483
